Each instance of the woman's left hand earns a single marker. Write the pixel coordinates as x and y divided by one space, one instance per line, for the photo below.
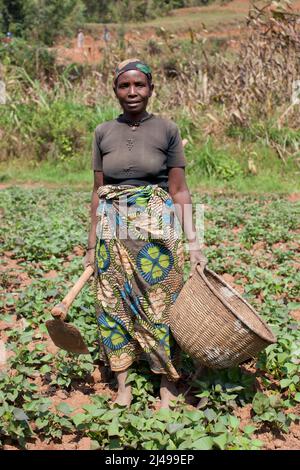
197 257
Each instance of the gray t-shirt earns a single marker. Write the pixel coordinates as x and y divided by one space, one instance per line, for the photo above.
137 156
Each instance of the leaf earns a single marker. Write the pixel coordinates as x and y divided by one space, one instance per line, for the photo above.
65 423
113 428
148 445
210 414
275 401
194 416
219 428
12 396
171 445
41 423
281 417
204 443
260 403
45 369
95 427
163 414
257 443
115 444
293 305
221 441
186 444
95 445
249 429
172 428
20 415
202 403
233 388
79 419
290 367
108 415
47 358
282 357
91 409
284 383
64 408
297 397
233 421
156 425
206 393
44 406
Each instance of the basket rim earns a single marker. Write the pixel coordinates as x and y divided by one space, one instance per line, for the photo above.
271 339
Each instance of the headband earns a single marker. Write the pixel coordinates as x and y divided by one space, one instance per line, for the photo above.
133 64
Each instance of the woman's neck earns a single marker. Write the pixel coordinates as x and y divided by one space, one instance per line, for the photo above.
133 117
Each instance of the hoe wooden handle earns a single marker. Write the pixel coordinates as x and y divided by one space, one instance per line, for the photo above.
60 311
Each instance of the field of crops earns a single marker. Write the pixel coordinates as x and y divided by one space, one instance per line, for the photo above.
53 400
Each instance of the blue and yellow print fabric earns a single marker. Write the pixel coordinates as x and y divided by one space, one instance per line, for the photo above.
138 276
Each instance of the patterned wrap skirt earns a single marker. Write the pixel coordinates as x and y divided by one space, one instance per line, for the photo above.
138 276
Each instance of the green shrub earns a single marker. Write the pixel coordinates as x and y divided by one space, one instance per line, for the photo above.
60 131
266 131
37 60
213 162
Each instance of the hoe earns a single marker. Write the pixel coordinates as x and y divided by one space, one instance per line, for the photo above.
65 335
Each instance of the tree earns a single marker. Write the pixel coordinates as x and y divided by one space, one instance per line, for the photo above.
41 20
97 10
48 19
13 13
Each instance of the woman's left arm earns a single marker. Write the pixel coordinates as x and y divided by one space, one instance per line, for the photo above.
181 197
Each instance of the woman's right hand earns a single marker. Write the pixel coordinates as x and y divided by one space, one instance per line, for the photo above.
89 259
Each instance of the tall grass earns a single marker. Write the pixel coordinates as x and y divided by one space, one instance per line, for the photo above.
233 136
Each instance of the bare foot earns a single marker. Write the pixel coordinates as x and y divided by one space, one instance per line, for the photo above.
124 396
168 392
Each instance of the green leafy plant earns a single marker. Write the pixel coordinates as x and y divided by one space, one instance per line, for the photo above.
14 424
269 409
69 367
40 229
50 424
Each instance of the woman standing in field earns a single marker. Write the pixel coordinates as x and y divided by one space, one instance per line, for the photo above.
139 180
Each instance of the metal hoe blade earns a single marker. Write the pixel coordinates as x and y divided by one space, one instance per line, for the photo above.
66 336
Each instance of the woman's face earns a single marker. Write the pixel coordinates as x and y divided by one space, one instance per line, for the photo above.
133 91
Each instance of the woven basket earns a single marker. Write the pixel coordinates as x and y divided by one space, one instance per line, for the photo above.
213 324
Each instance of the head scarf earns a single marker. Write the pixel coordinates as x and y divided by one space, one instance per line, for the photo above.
133 64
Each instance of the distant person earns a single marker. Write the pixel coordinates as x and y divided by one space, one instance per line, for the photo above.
8 37
2 92
106 35
80 39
